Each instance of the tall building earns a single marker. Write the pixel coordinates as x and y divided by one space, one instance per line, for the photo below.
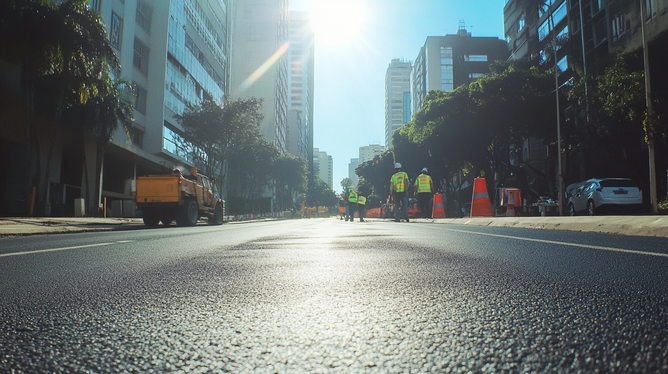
175 52
324 164
397 97
354 162
259 63
447 62
300 79
367 153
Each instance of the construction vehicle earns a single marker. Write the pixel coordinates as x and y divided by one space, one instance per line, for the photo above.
184 199
501 201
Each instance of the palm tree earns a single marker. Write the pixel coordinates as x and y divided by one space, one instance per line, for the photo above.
65 49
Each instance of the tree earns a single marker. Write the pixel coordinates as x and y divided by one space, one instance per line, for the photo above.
290 172
252 160
64 48
210 130
346 182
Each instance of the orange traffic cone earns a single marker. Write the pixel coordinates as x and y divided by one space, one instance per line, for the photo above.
438 211
510 210
480 204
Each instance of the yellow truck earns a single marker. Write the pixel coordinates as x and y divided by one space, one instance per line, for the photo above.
184 199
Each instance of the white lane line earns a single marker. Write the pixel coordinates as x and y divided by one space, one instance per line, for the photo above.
58 249
566 243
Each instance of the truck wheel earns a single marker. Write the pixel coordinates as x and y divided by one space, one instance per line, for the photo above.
189 215
150 218
217 218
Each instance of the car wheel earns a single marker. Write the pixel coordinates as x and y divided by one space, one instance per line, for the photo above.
217 218
189 215
571 209
150 218
591 208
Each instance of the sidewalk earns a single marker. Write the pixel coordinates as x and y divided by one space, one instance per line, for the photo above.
622 225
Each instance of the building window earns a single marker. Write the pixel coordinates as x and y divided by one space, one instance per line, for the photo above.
140 60
520 23
140 99
476 75
475 58
95 5
144 14
116 35
618 26
563 64
137 137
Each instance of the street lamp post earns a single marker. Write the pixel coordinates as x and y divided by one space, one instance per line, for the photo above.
650 115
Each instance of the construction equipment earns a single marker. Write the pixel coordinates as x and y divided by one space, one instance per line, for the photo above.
184 199
502 202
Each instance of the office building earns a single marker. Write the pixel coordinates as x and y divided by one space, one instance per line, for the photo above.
324 164
300 83
447 62
397 97
354 162
367 153
259 62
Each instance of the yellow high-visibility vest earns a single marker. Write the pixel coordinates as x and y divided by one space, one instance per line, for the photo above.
423 183
398 181
361 200
352 197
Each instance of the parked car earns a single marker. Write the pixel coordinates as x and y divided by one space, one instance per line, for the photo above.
594 195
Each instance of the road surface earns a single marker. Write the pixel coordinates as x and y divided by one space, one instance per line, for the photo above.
325 295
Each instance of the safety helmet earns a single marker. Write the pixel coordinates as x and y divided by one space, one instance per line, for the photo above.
424 170
397 166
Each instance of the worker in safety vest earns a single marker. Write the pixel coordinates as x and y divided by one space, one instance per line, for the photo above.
424 189
352 202
361 205
398 191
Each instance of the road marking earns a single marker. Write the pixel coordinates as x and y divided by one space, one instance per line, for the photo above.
62 249
566 243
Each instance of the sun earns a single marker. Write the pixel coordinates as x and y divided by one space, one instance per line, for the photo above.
335 21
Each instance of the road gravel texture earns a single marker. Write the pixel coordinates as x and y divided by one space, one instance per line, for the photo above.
335 297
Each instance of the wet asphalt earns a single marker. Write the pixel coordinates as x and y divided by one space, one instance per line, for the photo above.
325 295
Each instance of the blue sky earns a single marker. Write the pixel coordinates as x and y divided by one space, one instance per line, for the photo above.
350 75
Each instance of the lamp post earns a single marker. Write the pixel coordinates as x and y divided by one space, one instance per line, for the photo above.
650 115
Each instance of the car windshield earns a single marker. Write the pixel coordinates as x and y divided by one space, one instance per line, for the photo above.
618 183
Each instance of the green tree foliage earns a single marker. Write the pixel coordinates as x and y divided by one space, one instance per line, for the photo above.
291 177
63 49
377 173
252 160
211 130
320 194
346 182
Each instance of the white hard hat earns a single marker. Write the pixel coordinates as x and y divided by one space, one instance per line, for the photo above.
424 170
397 166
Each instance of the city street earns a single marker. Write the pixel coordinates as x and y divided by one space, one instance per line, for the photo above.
325 295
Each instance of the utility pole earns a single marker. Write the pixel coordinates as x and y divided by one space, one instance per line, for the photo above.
560 176
649 132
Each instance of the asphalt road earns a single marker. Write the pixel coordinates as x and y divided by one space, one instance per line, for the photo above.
325 295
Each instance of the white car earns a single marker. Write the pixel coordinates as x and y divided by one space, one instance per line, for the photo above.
595 194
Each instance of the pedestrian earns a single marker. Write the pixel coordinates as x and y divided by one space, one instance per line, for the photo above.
352 202
398 184
361 205
424 190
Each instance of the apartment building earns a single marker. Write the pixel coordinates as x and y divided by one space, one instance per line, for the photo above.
447 62
368 152
354 162
397 97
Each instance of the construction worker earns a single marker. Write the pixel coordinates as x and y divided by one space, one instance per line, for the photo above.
352 202
424 189
361 205
398 187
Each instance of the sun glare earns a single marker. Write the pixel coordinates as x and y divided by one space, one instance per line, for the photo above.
335 21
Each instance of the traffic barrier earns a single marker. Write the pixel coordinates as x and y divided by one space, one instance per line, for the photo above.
480 204
510 209
373 213
438 211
